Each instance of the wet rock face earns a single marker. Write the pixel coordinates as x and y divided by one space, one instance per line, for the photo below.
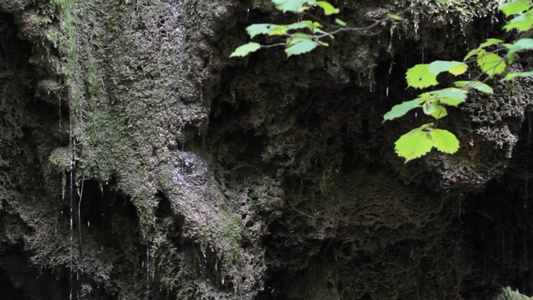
189 175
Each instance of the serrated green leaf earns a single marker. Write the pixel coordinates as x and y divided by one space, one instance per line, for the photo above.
491 63
448 96
245 49
413 144
471 53
328 8
302 24
490 42
401 109
514 7
511 76
420 77
301 47
454 67
444 140
298 37
256 29
521 44
521 22
278 30
440 112
478 85
395 17
292 5
429 107
340 22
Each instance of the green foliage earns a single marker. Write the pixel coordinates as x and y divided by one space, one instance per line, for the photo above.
425 75
306 35
421 140
509 294
310 33
245 49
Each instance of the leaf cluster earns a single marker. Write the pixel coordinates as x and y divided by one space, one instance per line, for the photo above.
421 140
303 36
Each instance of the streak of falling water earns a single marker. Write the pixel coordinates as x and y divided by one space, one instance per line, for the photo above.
147 273
387 92
71 218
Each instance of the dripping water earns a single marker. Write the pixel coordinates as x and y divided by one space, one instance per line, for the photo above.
147 273
71 218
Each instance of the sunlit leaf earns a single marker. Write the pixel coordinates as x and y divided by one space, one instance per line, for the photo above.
395 17
291 5
429 107
454 67
450 96
491 63
303 46
471 53
420 77
401 109
443 1
278 30
444 140
328 8
490 42
521 44
413 144
256 29
340 22
514 7
478 85
439 112
511 76
245 49
302 24
521 22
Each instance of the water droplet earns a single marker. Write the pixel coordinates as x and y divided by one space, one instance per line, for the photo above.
387 92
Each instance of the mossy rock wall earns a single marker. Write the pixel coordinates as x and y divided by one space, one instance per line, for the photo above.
139 161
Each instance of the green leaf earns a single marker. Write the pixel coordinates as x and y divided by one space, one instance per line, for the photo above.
514 7
510 76
439 112
303 46
429 107
401 109
420 77
449 96
471 53
395 17
256 29
245 49
444 140
490 42
443 1
340 22
521 22
478 85
454 67
291 5
303 24
328 8
491 63
413 144
521 44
